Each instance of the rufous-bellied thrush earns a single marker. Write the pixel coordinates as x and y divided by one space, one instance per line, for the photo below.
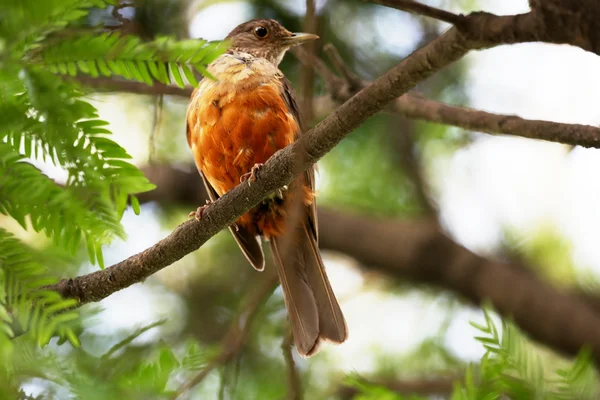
234 124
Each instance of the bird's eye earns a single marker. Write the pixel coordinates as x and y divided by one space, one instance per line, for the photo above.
261 32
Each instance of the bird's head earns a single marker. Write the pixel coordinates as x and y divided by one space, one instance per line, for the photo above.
266 38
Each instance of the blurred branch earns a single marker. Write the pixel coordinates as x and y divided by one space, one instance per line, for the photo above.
426 255
293 377
307 73
411 105
421 9
234 339
352 80
415 106
121 85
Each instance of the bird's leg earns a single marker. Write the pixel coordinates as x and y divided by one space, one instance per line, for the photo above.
252 175
198 213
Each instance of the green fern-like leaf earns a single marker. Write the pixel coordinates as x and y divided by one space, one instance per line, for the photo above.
511 367
580 380
164 60
42 313
69 134
26 21
67 215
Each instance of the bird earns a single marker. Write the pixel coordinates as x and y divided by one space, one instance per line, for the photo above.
235 122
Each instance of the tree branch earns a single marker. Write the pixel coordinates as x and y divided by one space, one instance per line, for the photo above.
422 9
122 85
415 106
293 377
560 320
427 256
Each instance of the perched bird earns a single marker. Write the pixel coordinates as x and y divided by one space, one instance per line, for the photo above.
234 124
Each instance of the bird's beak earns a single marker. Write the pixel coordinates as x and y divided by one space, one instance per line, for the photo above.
299 38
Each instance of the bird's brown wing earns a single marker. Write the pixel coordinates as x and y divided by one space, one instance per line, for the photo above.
249 243
309 175
314 312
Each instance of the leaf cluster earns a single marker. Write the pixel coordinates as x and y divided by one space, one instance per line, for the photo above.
47 123
512 368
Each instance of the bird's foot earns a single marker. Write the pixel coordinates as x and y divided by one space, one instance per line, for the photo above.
197 215
252 175
279 192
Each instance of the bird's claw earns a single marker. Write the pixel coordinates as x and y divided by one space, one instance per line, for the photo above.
197 215
280 191
252 175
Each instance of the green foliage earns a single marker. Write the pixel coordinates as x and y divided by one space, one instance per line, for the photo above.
43 117
110 54
126 370
370 391
23 304
511 367
546 251
45 121
26 22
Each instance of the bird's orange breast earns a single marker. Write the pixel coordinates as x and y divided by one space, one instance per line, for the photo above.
236 122
232 133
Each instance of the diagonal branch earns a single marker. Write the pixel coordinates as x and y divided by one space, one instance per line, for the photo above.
563 321
414 105
234 340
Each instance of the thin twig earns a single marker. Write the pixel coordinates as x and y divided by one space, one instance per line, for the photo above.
235 337
421 9
319 66
294 383
307 73
338 62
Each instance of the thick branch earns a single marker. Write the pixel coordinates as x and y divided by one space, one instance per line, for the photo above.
422 253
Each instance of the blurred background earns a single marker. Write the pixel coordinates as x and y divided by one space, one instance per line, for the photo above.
500 197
